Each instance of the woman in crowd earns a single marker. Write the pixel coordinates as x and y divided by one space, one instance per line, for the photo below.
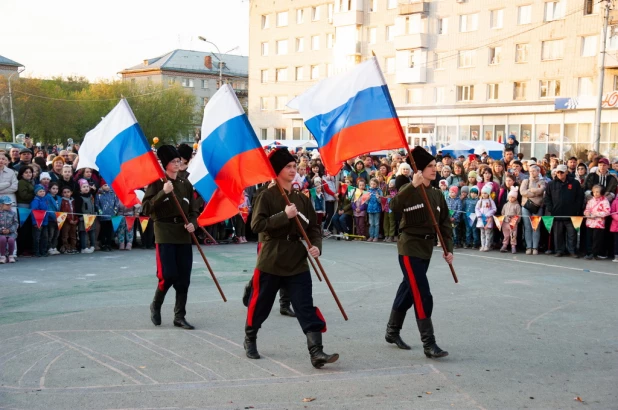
532 193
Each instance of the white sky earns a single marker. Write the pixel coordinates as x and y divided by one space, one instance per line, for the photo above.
97 39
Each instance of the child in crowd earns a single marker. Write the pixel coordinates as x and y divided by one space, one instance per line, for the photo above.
485 211
39 233
8 230
596 210
53 205
374 207
443 187
614 227
301 178
472 178
469 207
67 180
454 206
359 208
44 180
239 223
124 236
511 143
106 203
510 210
389 216
69 229
318 200
84 205
315 172
329 185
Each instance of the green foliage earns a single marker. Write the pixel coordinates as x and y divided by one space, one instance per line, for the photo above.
54 110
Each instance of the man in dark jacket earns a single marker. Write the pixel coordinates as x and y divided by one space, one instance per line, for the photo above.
564 197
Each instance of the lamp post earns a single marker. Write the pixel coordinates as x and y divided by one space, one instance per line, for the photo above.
11 100
218 57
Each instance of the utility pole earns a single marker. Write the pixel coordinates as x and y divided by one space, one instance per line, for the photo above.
597 116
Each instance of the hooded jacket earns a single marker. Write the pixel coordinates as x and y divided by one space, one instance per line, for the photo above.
359 174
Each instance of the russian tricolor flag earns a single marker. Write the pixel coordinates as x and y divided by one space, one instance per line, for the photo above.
229 158
351 114
118 149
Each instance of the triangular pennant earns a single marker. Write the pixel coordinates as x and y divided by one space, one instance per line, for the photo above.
130 222
484 219
384 202
89 221
143 221
498 220
343 189
365 197
535 220
471 219
116 221
312 193
39 216
24 213
451 213
357 194
577 221
513 221
548 221
244 213
60 218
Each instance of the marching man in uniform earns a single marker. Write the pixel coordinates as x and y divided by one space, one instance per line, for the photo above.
173 237
415 247
282 261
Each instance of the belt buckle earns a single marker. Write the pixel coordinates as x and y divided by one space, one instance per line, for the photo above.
427 237
288 238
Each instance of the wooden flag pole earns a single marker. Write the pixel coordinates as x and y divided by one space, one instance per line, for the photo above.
196 242
314 268
306 238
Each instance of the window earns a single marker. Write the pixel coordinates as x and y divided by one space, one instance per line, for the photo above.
391 4
330 40
390 33
344 5
204 101
413 24
591 7
496 18
300 44
372 34
264 76
263 133
519 90
552 50
329 12
492 91
264 49
443 25
315 72
615 83
204 83
439 59
281 74
300 16
132 81
329 70
280 133
282 47
264 103
467 58
554 10
373 6
298 74
521 53
414 96
171 81
524 14
282 19
315 13
187 82
550 88
612 44
495 55
585 86
440 92
589 46
412 58
390 65
468 22
265 21
315 42
280 102
465 93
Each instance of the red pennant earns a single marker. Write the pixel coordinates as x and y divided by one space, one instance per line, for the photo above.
513 221
39 216
130 222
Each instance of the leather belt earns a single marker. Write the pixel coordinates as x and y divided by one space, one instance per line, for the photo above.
289 238
428 237
171 220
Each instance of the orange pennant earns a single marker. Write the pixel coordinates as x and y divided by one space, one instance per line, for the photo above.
513 221
39 216
244 213
498 220
130 222
143 221
60 218
535 221
577 221
89 221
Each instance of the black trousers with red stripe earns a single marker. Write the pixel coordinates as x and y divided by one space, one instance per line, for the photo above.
264 293
174 263
414 289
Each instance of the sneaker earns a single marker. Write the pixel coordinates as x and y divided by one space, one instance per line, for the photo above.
548 252
11 259
528 251
535 251
600 257
588 257
92 249
513 249
55 252
615 258
2 259
503 249
129 246
121 246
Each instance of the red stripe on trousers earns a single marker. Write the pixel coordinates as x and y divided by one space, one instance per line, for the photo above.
418 303
321 317
255 290
160 270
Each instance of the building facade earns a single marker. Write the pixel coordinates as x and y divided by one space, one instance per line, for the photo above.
456 69
8 66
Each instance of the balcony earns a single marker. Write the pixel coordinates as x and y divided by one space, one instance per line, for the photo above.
413 7
411 75
241 93
410 41
348 48
348 18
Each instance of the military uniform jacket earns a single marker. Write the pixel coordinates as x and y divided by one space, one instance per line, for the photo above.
169 226
282 252
416 224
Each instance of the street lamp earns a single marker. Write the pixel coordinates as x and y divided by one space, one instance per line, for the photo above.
218 57
11 100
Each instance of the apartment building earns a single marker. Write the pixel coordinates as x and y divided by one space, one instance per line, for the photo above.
457 69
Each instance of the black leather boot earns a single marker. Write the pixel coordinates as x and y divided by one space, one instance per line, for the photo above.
251 343
430 347
395 323
284 303
247 292
318 357
286 310
180 312
155 307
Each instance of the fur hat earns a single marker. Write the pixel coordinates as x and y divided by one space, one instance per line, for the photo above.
185 151
474 189
472 174
44 175
38 188
486 189
443 183
279 158
465 189
166 154
421 157
513 192
453 189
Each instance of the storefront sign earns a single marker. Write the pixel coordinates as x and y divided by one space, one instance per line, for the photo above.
610 100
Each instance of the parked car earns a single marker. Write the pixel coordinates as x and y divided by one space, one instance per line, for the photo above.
6 146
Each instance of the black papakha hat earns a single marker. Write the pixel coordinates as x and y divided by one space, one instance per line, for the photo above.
185 151
422 158
166 154
279 158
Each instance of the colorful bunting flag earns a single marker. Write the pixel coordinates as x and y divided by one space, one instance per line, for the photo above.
577 221
130 221
24 213
384 203
244 213
312 193
39 216
484 219
116 221
89 221
548 221
534 221
451 213
513 221
471 219
343 189
498 220
60 218
143 221
365 197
